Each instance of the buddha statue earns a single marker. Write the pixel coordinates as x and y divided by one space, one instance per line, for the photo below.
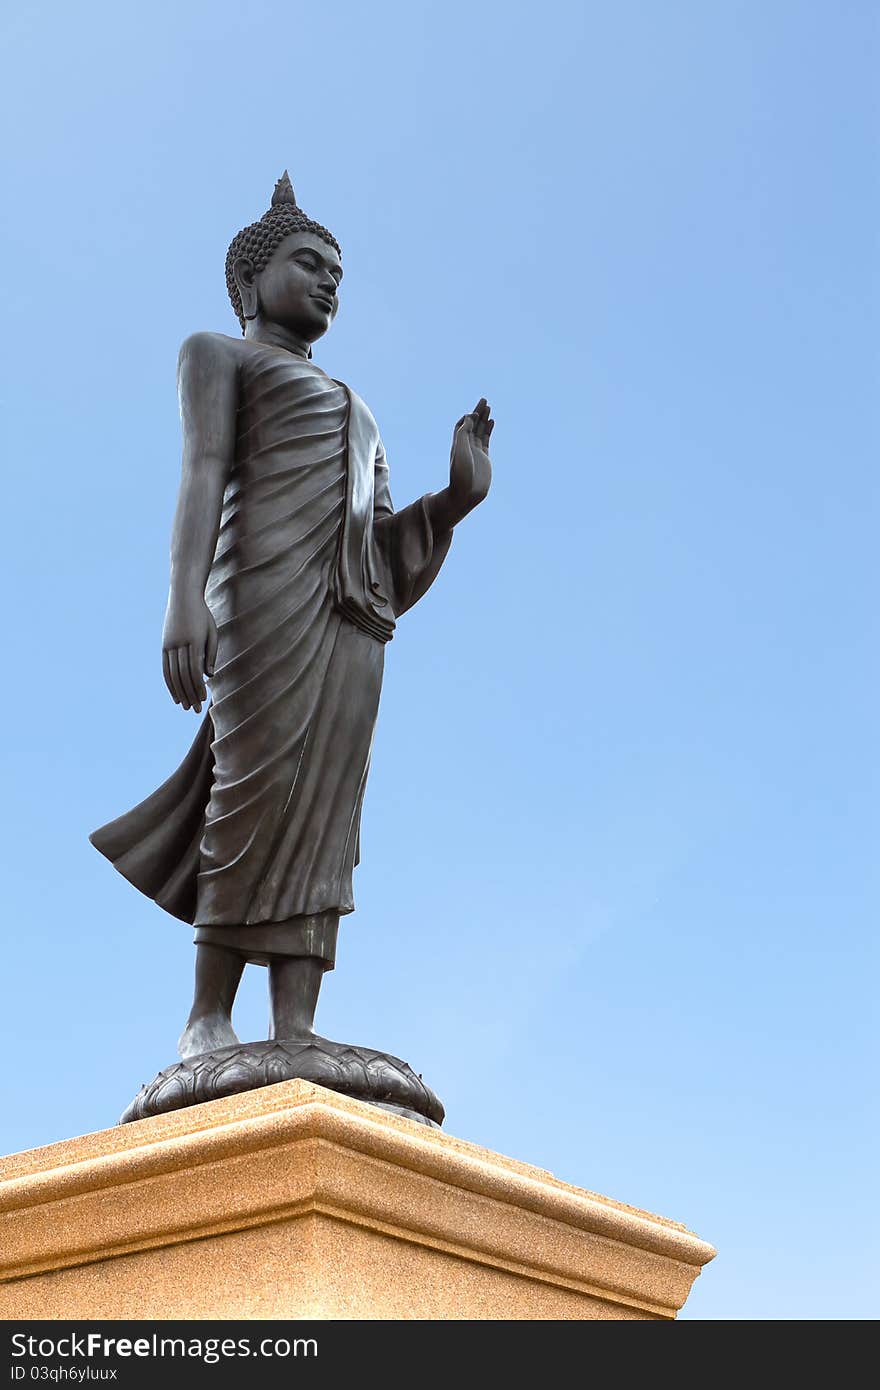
289 570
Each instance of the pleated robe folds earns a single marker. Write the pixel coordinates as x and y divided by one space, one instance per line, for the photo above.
260 823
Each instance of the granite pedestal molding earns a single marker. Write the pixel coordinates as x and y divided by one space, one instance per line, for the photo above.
295 1202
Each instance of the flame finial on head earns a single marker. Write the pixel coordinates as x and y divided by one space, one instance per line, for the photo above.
284 194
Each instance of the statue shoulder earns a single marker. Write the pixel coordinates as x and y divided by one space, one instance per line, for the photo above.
360 407
212 352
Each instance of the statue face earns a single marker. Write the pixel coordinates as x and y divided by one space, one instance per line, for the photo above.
297 288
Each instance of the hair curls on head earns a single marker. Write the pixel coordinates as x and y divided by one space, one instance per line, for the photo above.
258 241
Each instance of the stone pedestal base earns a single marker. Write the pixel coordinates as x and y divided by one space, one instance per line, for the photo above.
294 1202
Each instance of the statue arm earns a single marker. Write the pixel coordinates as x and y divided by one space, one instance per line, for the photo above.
208 388
415 542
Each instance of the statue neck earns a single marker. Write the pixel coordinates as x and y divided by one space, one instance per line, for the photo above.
259 330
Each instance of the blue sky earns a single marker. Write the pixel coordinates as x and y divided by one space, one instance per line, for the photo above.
618 892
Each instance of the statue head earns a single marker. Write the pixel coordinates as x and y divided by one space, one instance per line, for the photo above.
286 268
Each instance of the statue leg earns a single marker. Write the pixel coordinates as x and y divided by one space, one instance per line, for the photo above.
294 983
209 1025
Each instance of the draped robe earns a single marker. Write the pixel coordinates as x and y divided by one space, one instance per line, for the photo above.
260 823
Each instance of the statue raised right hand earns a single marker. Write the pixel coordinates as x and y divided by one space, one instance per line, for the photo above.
470 471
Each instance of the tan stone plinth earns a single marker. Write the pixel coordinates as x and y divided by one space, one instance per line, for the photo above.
294 1202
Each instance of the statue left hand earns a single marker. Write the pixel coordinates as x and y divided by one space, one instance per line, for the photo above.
470 472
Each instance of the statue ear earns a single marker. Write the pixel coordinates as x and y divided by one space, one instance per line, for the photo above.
246 280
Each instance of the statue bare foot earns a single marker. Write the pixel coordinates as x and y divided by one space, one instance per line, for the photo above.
206 1033
209 1025
294 982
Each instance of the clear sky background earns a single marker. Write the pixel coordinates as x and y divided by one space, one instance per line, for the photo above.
618 892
